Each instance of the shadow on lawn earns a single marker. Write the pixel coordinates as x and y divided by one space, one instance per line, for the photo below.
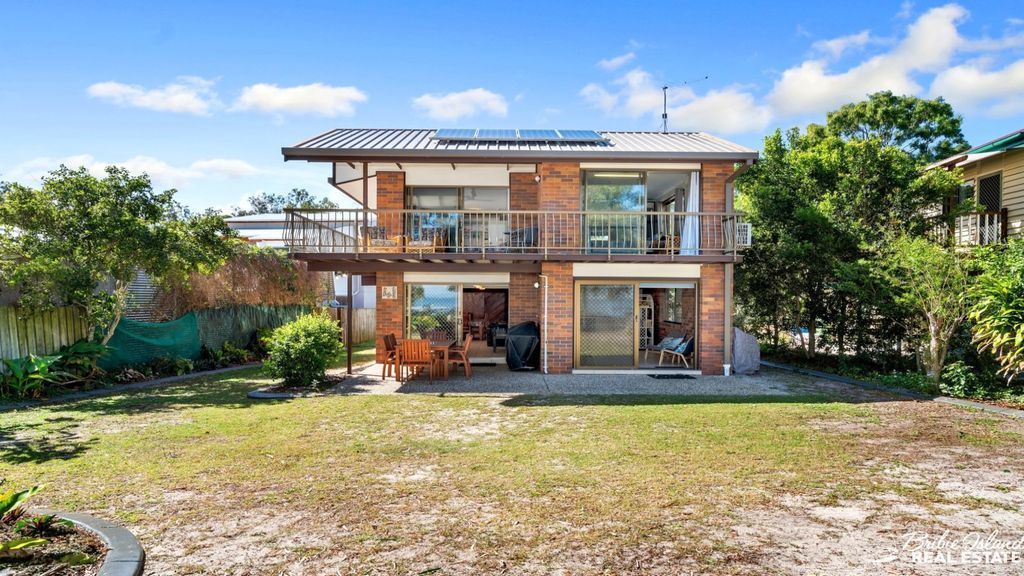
59 437
58 440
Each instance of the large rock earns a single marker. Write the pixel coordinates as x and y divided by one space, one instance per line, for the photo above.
746 353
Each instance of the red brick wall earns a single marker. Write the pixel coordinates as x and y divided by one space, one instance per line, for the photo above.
522 191
524 301
560 316
712 318
712 185
391 195
390 313
560 190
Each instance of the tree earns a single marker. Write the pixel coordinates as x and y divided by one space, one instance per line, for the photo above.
267 203
933 282
79 240
927 129
997 311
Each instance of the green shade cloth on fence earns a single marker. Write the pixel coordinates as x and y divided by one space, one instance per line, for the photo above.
239 324
137 342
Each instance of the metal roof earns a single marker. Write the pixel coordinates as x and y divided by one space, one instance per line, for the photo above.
1012 141
382 143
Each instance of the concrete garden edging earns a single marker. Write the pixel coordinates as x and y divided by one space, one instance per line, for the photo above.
119 388
125 556
991 408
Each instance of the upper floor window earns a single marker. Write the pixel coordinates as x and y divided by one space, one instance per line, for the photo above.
990 192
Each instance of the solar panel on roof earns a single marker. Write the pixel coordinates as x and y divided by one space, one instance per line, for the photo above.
485 134
455 134
581 135
542 135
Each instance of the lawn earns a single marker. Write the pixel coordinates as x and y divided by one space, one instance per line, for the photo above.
215 483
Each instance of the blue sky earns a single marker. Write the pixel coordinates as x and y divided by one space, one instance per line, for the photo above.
202 96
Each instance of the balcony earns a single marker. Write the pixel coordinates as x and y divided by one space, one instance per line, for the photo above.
974 229
514 235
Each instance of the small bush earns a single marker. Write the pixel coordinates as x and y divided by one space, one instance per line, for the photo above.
908 380
961 381
300 351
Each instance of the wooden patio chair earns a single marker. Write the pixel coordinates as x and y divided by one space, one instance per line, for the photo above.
390 356
682 353
429 241
415 355
377 239
460 355
669 342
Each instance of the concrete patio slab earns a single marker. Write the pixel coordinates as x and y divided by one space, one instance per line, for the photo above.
498 380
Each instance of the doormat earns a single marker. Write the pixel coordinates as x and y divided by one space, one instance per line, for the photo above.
671 376
482 363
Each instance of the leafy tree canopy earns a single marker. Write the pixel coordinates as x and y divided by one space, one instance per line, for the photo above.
928 129
79 240
269 203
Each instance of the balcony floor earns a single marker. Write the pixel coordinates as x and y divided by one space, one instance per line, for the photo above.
351 261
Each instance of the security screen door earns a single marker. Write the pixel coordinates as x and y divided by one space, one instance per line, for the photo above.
606 325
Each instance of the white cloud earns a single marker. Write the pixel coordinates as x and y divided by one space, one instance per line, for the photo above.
974 85
160 172
1014 21
465 104
187 95
811 89
836 47
635 94
616 62
320 99
225 167
906 10
727 111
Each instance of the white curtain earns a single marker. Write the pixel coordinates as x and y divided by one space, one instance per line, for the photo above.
689 240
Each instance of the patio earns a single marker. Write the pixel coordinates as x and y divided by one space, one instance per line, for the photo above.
499 380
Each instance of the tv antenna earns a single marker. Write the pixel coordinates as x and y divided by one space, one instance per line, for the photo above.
664 99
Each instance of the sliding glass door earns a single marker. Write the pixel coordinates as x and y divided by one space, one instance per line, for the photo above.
433 312
606 325
619 192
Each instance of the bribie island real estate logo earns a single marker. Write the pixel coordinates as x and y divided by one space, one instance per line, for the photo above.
973 548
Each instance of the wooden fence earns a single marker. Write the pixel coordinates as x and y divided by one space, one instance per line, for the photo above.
364 323
41 333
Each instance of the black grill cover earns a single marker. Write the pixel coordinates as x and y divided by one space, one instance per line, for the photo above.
522 347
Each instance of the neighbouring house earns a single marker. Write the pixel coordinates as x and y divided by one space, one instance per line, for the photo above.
994 178
268 231
609 241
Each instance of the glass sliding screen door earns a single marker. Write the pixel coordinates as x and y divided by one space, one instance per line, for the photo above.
606 325
434 312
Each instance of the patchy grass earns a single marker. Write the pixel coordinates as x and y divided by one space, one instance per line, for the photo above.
362 353
215 483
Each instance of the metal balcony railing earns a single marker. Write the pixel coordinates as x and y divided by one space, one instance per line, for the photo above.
975 229
543 233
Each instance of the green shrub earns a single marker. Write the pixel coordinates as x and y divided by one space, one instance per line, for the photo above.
234 355
29 376
80 359
908 380
961 381
300 351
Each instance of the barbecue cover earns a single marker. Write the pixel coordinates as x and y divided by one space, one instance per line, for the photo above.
522 346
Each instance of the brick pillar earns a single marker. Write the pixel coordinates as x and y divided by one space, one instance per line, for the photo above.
560 316
524 302
712 199
712 318
391 195
390 313
560 190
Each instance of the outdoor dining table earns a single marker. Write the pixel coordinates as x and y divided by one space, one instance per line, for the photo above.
441 348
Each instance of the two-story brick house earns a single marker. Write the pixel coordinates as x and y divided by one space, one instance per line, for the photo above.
610 241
